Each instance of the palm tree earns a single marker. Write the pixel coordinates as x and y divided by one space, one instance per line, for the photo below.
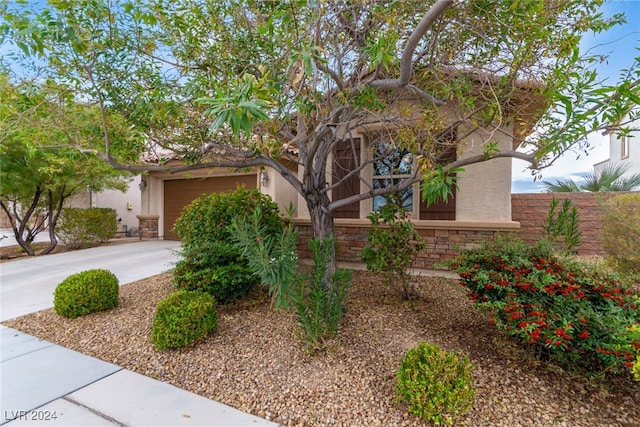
609 179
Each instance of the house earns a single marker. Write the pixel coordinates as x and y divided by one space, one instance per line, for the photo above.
624 151
480 208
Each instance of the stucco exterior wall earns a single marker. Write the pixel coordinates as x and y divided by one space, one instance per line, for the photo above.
127 204
484 189
280 190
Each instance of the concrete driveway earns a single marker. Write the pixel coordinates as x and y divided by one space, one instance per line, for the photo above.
27 284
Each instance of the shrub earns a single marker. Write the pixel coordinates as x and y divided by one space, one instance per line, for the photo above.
621 232
272 257
216 268
561 227
436 384
183 317
393 246
86 292
207 217
210 261
82 227
319 300
578 315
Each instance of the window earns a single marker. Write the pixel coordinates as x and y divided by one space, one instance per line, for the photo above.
624 147
393 166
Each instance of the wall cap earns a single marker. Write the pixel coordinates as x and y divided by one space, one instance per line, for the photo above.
428 224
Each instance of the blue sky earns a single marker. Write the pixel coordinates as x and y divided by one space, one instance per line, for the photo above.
620 43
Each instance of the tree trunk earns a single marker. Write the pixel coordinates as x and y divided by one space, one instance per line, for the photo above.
54 214
322 226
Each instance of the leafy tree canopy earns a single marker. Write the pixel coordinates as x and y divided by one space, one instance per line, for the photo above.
47 156
244 83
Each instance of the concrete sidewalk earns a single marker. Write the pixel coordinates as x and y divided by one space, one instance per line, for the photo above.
46 384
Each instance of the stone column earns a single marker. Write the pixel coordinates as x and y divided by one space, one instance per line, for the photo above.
148 226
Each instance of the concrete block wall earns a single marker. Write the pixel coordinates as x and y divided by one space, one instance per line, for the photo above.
530 210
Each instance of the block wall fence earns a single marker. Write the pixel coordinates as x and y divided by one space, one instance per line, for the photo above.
528 209
531 209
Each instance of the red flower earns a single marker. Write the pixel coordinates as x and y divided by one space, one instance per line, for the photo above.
584 335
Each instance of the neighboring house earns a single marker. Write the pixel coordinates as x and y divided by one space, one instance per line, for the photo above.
126 204
624 150
480 207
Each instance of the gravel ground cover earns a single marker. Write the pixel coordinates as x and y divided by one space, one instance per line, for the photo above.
256 362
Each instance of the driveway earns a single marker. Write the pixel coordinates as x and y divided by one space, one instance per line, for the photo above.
27 284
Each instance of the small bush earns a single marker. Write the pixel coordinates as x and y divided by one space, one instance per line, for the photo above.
86 292
561 227
621 232
575 314
183 317
393 246
319 300
216 268
272 257
82 227
436 384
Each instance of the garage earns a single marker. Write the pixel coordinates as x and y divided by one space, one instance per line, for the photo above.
180 192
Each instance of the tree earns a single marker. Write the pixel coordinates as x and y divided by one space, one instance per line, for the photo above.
611 178
43 157
246 83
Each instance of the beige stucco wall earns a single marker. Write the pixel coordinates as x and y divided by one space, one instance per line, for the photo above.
127 204
279 190
484 189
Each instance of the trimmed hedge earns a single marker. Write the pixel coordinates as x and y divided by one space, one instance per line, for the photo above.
82 227
182 318
86 292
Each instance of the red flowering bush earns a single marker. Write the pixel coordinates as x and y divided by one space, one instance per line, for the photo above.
579 316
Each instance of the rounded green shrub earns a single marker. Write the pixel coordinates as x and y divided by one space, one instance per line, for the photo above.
86 292
183 317
217 268
437 385
621 232
209 260
206 218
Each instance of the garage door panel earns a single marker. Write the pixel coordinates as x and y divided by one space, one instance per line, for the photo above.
181 192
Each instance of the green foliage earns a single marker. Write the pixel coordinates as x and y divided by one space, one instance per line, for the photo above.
183 317
207 217
561 228
635 369
437 184
86 292
47 142
319 300
82 227
574 314
393 246
210 261
609 179
272 256
215 267
436 384
621 233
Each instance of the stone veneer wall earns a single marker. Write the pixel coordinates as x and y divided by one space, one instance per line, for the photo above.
442 240
530 210
148 226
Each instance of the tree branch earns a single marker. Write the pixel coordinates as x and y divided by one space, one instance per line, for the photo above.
406 60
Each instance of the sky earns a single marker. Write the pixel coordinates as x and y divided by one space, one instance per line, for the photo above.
620 43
